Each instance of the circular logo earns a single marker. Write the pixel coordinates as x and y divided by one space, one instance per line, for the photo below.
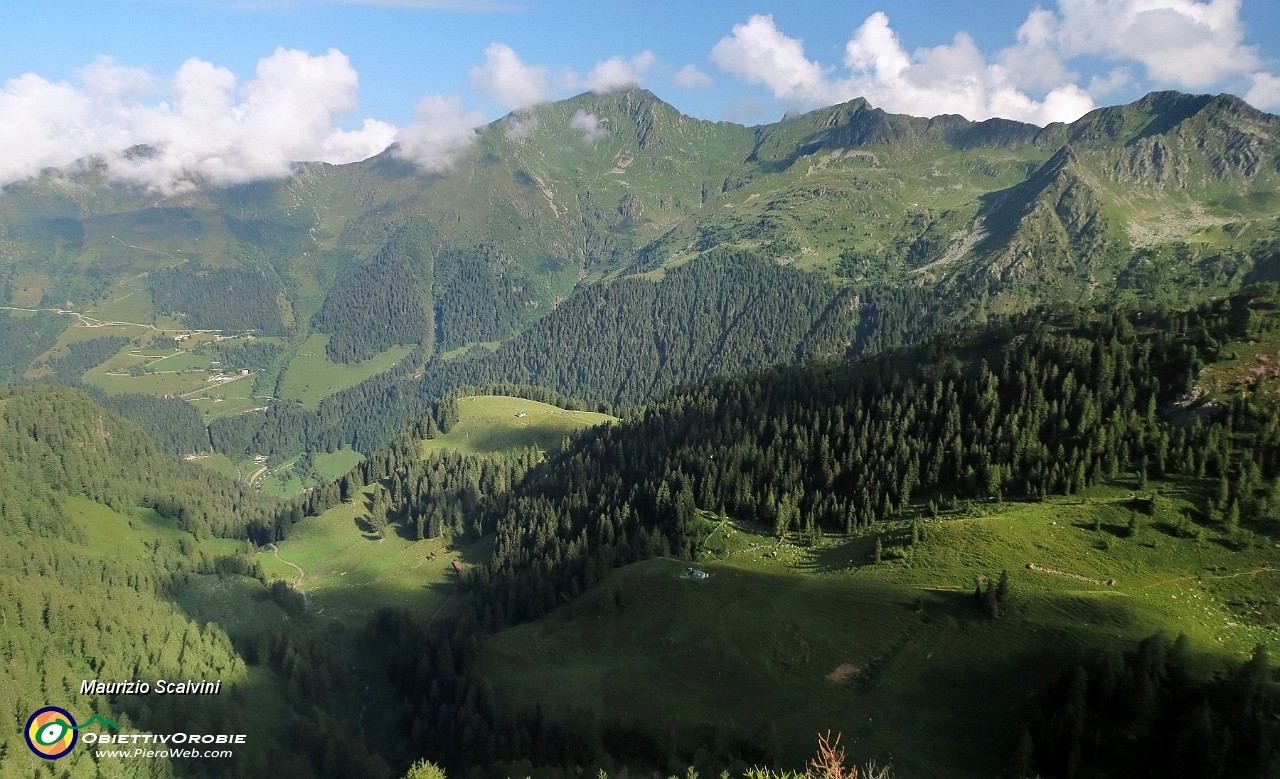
51 732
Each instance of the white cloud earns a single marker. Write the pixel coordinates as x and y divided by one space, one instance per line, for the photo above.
441 131
518 127
953 78
1265 92
373 136
42 124
1181 44
1034 58
760 54
1187 44
198 126
508 81
589 124
690 77
1118 79
615 73
105 78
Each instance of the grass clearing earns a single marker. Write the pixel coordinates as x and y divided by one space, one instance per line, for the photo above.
225 400
28 289
219 463
236 603
170 370
311 377
282 482
453 354
126 301
77 331
114 383
346 573
286 480
332 465
128 536
785 641
499 423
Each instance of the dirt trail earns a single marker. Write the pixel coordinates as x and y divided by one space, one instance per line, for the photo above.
88 321
1254 572
253 478
298 580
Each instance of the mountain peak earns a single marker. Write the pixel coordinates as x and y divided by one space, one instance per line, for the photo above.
632 110
1162 113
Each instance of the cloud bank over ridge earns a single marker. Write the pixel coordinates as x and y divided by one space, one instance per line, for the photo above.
204 125
1179 44
197 126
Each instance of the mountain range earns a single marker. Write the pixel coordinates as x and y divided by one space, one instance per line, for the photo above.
926 432
1172 199
601 185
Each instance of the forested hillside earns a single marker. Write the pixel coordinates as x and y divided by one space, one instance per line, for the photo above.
1170 198
232 299
887 448
382 303
899 442
102 540
619 345
1045 405
912 410
116 464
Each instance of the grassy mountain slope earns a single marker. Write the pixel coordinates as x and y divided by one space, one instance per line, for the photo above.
783 640
108 572
862 618
1121 465
1169 198
862 501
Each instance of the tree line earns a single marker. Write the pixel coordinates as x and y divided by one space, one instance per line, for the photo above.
1148 713
73 605
1043 404
614 346
1046 405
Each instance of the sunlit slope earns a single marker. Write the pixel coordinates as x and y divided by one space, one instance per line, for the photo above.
500 423
781 641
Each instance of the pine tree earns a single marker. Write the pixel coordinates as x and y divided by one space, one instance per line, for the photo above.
1002 587
1231 520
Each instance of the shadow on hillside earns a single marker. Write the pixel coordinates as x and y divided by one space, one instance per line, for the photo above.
841 556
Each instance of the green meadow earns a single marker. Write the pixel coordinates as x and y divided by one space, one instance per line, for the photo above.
219 463
130 536
311 377
497 423
346 572
331 465
285 480
783 641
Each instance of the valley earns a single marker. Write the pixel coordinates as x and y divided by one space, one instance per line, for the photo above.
663 447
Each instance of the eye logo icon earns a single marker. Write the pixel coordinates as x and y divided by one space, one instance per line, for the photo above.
51 732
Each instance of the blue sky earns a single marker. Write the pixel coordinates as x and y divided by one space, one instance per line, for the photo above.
335 79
